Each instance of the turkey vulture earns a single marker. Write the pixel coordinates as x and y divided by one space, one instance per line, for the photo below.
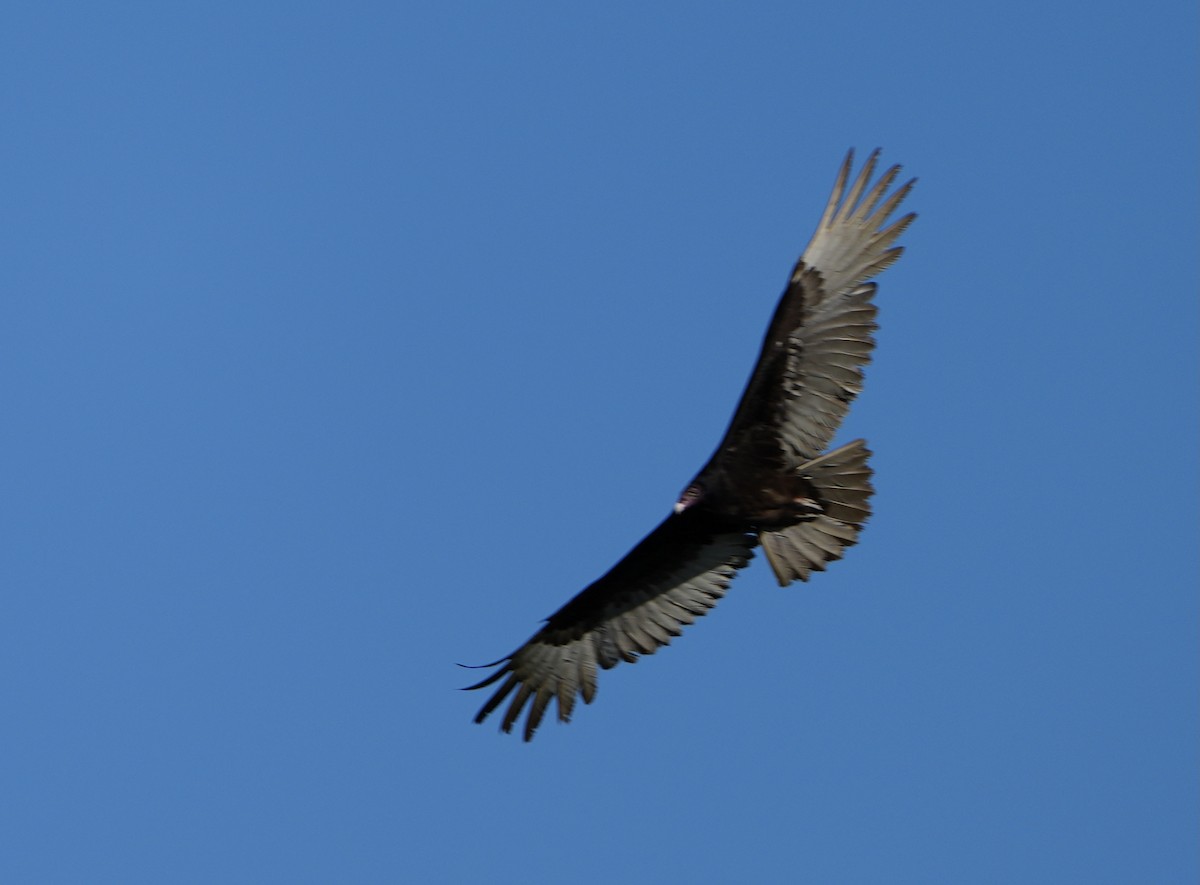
770 481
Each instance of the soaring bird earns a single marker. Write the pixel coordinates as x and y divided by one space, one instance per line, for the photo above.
769 483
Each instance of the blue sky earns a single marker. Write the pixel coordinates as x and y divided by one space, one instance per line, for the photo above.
343 342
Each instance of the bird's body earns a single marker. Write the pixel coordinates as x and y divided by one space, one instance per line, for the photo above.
767 483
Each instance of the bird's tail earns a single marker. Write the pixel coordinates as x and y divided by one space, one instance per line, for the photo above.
843 483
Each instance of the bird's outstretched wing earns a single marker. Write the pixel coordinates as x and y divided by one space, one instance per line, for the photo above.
820 337
675 575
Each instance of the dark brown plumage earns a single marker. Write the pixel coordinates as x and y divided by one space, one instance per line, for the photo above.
767 483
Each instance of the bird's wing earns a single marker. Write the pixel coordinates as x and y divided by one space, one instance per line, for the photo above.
675 575
810 367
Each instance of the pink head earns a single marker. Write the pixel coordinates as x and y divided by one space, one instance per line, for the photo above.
691 496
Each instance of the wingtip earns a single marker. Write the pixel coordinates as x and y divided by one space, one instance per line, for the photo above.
504 664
